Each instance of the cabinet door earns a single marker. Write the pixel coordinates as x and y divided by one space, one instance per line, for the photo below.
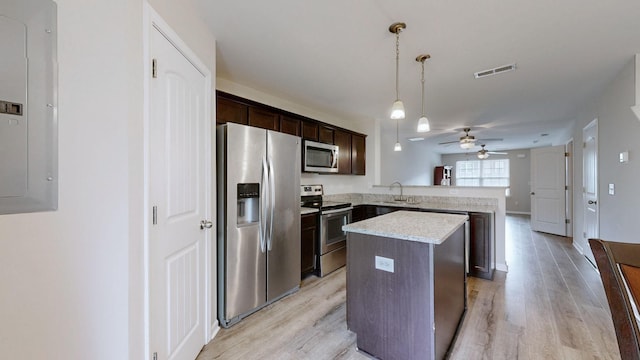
480 246
325 134
309 130
289 125
358 213
343 140
230 111
358 155
264 118
308 238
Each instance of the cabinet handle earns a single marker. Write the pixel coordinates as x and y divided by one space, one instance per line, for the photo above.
591 202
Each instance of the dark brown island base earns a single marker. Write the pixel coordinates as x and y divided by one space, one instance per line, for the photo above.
406 284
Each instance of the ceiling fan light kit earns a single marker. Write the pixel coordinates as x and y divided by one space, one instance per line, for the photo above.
467 141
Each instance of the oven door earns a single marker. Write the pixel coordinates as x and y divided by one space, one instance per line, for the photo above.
332 236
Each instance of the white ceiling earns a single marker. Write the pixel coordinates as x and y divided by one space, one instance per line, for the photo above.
339 57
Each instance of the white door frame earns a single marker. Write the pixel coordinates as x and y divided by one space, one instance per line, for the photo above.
151 20
583 244
568 148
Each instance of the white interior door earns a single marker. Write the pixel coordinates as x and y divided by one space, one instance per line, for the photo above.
590 186
179 151
548 190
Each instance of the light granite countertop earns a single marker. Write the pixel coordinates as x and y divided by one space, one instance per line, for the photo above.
441 203
425 227
432 206
306 210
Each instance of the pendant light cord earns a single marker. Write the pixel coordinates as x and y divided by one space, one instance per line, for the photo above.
397 141
422 88
397 61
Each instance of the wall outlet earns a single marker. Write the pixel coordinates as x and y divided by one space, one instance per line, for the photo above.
384 264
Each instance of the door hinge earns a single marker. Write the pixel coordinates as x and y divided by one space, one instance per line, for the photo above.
584 235
566 187
155 215
154 68
584 145
567 221
155 356
566 154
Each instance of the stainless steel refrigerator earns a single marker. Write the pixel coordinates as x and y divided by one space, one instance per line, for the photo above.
258 214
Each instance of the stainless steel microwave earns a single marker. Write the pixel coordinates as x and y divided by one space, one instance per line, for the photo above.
320 158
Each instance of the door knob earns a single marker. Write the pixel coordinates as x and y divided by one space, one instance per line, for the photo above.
206 224
591 202
532 193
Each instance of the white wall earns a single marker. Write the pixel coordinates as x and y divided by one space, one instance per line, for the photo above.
72 279
65 273
520 176
617 132
411 166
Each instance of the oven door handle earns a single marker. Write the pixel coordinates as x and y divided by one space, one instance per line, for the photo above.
335 211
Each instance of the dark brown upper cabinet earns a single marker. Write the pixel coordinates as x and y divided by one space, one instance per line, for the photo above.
231 111
233 108
325 134
309 130
358 154
290 125
343 140
264 118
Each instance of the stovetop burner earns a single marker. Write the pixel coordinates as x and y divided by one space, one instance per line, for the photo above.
311 196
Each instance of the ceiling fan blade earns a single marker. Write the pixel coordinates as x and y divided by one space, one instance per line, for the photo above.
449 142
497 153
494 139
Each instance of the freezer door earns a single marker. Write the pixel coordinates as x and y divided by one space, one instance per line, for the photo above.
244 269
283 262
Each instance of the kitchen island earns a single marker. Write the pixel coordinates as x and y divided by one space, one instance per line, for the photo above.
406 290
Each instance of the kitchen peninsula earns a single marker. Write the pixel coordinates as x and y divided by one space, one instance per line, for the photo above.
406 283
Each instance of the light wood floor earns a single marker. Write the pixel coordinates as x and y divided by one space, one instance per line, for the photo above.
550 305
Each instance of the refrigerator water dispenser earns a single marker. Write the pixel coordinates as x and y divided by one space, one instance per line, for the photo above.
248 204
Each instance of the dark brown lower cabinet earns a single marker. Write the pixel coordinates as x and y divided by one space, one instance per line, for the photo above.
480 245
480 241
411 309
363 212
308 239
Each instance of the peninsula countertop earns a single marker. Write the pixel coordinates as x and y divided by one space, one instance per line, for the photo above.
425 227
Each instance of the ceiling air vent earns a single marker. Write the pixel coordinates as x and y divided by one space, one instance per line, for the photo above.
494 71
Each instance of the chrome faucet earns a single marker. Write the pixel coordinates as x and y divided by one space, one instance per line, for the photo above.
401 198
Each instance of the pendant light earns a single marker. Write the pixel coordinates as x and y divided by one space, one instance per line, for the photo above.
397 146
397 109
423 122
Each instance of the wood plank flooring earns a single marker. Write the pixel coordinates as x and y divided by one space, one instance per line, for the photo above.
550 305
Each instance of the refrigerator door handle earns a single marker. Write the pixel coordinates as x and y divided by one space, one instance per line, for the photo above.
264 204
272 197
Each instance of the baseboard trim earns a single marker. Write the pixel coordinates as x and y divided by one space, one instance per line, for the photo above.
215 328
519 212
502 267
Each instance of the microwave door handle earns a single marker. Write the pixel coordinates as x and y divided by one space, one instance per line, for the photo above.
334 160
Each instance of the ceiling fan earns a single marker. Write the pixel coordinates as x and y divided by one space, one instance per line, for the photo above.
484 153
468 141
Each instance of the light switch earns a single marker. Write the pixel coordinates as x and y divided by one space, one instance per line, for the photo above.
384 264
612 189
624 157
